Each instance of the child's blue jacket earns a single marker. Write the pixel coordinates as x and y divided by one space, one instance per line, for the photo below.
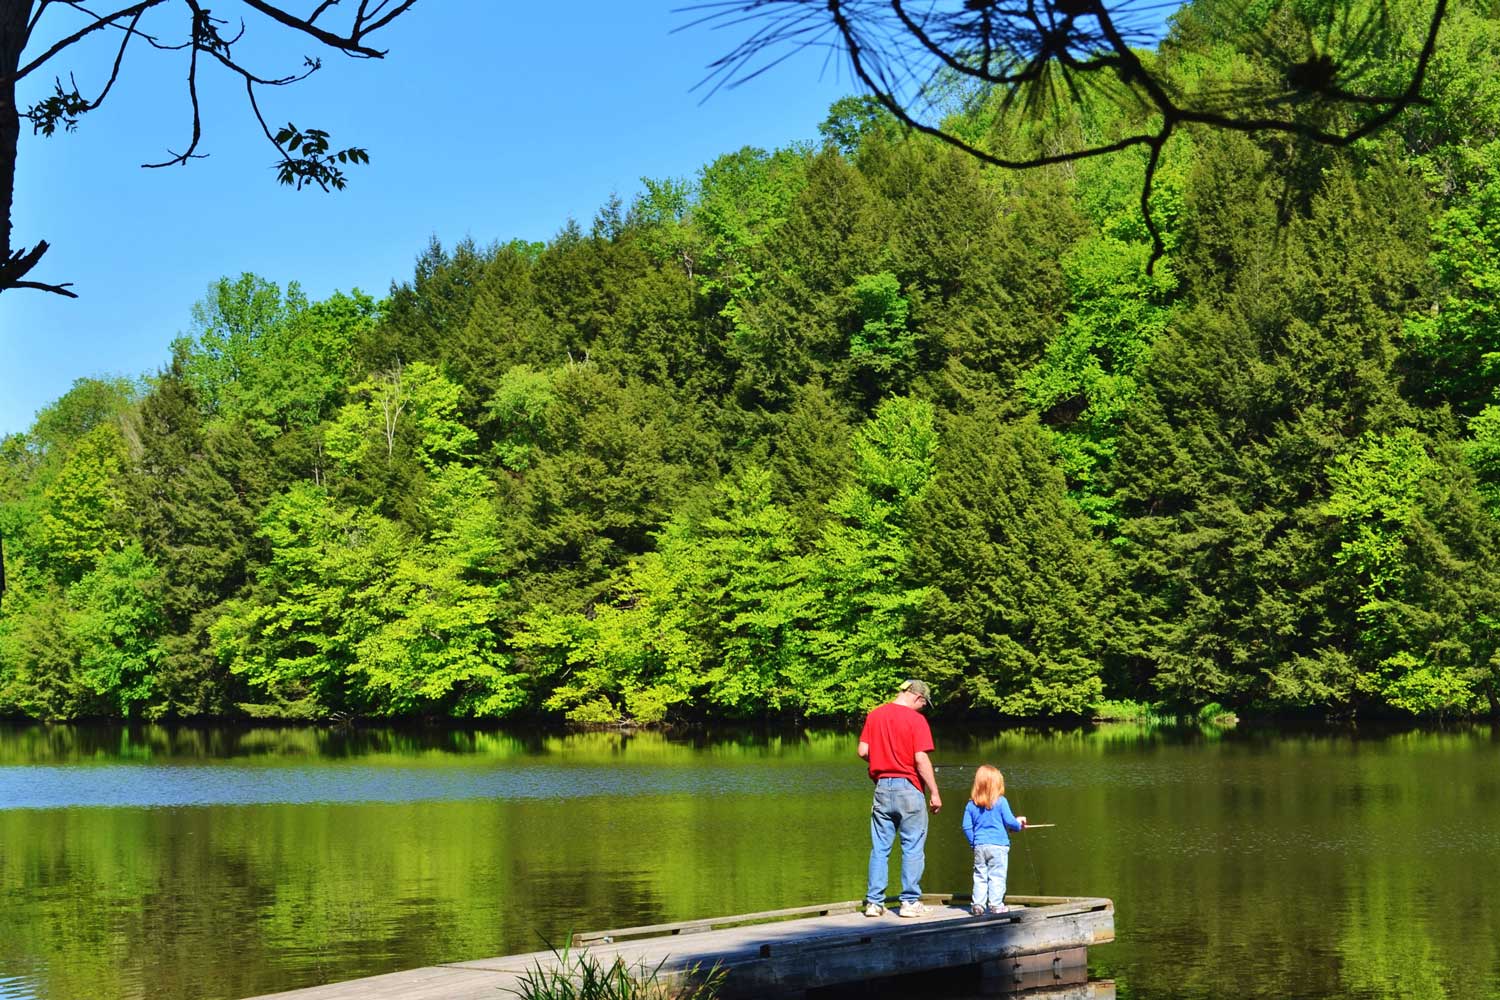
988 826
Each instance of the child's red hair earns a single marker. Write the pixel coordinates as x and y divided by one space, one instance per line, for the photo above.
989 785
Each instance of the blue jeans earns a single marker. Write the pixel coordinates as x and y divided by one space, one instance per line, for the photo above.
991 863
899 808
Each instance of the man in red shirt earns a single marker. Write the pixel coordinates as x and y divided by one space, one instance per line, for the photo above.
895 741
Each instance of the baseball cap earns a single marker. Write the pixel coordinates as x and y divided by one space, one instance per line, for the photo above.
918 688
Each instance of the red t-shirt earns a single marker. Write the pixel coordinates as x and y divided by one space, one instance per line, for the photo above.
896 734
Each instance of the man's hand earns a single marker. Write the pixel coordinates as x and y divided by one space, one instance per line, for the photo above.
863 750
929 780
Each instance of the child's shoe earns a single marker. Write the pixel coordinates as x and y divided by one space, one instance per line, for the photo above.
999 909
976 910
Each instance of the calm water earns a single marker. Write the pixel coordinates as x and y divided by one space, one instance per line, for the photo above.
194 864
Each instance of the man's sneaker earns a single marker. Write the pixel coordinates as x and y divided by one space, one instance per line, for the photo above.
874 909
912 910
976 910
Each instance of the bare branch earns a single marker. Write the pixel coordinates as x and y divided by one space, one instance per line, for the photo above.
132 11
1158 245
114 73
14 268
305 155
202 28
150 39
320 9
350 43
61 289
36 17
375 20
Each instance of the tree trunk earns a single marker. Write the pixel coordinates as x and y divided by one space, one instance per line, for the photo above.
14 15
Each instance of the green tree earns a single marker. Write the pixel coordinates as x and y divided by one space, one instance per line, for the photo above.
116 624
195 491
1456 340
1415 555
38 663
716 617
867 607
85 513
1013 623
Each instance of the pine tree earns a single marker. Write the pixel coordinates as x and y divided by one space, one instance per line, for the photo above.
1013 624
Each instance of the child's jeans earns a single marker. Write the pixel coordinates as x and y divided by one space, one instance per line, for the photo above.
991 862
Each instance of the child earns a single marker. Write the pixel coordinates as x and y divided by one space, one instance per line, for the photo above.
987 817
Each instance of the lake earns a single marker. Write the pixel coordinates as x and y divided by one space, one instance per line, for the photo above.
186 864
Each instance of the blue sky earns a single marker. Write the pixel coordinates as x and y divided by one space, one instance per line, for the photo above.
489 118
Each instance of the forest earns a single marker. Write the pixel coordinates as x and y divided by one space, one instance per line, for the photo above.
758 443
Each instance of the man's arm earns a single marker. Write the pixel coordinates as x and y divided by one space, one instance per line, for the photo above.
863 751
929 780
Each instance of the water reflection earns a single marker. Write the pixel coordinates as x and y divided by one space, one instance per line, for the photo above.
196 863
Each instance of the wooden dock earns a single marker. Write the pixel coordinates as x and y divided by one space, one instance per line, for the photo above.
1041 941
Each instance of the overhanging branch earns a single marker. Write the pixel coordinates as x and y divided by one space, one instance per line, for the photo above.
1047 55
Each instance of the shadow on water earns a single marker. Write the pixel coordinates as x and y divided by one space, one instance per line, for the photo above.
969 984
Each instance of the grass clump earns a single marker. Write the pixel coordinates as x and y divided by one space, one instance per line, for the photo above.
578 975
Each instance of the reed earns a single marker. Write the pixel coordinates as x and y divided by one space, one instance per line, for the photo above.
579 975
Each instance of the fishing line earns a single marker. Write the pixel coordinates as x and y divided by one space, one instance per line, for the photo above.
1031 858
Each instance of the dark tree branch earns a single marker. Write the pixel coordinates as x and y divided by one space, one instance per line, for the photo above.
352 43
202 26
311 18
114 73
1044 55
304 155
36 17
151 40
19 263
61 289
82 33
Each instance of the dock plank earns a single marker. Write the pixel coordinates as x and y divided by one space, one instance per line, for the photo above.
776 951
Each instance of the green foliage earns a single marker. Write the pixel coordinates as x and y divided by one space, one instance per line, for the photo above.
1014 621
743 198
269 361
766 440
90 403
851 120
1483 454
85 511
1086 380
881 341
116 623
518 413
308 159
38 665
1425 604
352 614
866 604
